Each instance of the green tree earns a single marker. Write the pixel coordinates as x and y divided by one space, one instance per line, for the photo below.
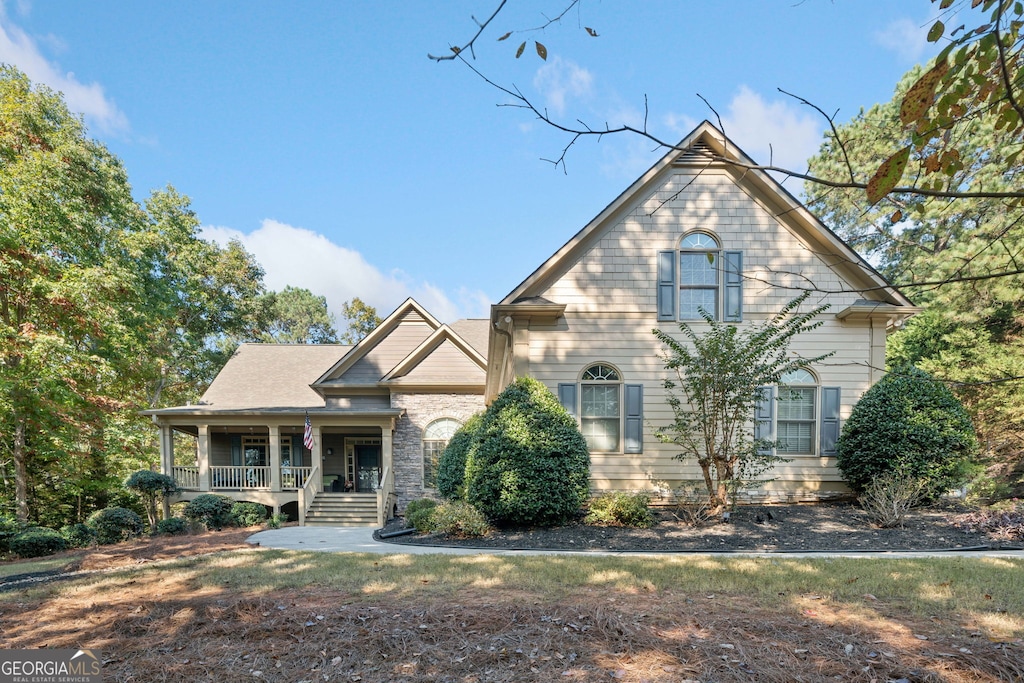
959 259
720 373
362 319
297 316
151 486
67 276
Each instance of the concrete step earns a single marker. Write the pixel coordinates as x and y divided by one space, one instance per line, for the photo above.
343 509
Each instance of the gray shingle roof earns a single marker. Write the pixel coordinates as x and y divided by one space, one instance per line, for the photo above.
474 331
272 376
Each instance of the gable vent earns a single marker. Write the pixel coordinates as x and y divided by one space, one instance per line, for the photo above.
697 152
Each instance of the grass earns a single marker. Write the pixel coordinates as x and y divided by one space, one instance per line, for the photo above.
29 566
294 616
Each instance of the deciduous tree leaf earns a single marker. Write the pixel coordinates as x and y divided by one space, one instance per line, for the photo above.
519 52
887 175
592 32
896 216
936 31
919 98
542 51
504 37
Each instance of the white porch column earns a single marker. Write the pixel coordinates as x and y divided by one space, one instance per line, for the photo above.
275 457
318 458
203 442
166 450
387 460
166 463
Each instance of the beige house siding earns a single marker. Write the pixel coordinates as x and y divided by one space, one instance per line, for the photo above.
610 293
388 353
420 410
447 364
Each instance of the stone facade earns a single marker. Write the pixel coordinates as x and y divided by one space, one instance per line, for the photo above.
407 447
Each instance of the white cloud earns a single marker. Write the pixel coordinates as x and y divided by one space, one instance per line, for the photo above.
559 79
21 50
303 258
777 132
908 39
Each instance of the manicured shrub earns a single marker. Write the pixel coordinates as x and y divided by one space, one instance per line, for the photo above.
621 509
418 514
209 509
276 520
78 535
37 542
529 464
248 514
911 424
172 526
451 470
113 525
459 518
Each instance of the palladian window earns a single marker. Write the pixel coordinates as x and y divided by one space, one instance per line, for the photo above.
601 407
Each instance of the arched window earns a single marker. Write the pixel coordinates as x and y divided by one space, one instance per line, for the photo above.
697 275
798 400
601 407
699 267
435 440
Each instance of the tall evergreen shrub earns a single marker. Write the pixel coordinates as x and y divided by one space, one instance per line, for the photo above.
529 464
911 424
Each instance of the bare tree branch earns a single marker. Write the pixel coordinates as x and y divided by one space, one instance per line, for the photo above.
457 51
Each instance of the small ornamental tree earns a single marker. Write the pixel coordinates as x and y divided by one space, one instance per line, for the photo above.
720 372
451 470
909 424
529 464
151 486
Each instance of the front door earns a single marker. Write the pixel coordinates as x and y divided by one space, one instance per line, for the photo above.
368 467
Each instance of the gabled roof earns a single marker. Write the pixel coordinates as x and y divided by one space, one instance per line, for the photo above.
696 151
443 359
408 312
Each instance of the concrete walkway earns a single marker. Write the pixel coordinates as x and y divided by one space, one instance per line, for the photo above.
360 540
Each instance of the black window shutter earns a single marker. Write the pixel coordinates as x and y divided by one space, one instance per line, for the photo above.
764 418
634 418
830 402
667 285
733 310
567 397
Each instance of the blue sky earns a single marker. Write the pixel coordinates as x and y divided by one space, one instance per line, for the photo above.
321 135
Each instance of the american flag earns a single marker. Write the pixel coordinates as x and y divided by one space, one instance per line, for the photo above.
307 435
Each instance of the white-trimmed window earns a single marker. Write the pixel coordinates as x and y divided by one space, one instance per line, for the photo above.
601 408
799 416
699 267
609 412
435 439
697 275
797 419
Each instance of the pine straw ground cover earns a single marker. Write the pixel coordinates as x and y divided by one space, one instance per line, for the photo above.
252 615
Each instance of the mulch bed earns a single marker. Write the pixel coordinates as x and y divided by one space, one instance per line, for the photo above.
817 527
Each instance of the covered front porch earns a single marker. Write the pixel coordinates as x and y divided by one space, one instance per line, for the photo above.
261 458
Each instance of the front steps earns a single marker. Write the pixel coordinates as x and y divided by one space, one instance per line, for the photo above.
343 509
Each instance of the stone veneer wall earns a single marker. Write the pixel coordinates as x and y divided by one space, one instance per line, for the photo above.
407 447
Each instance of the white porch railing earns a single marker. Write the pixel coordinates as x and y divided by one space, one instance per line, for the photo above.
239 477
386 497
307 493
293 478
186 477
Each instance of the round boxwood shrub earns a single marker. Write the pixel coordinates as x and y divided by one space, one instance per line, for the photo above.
248 514
211 510
620 509
37 542
172 526
77 535
529 464
113 525
910 424
459 518
451 470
